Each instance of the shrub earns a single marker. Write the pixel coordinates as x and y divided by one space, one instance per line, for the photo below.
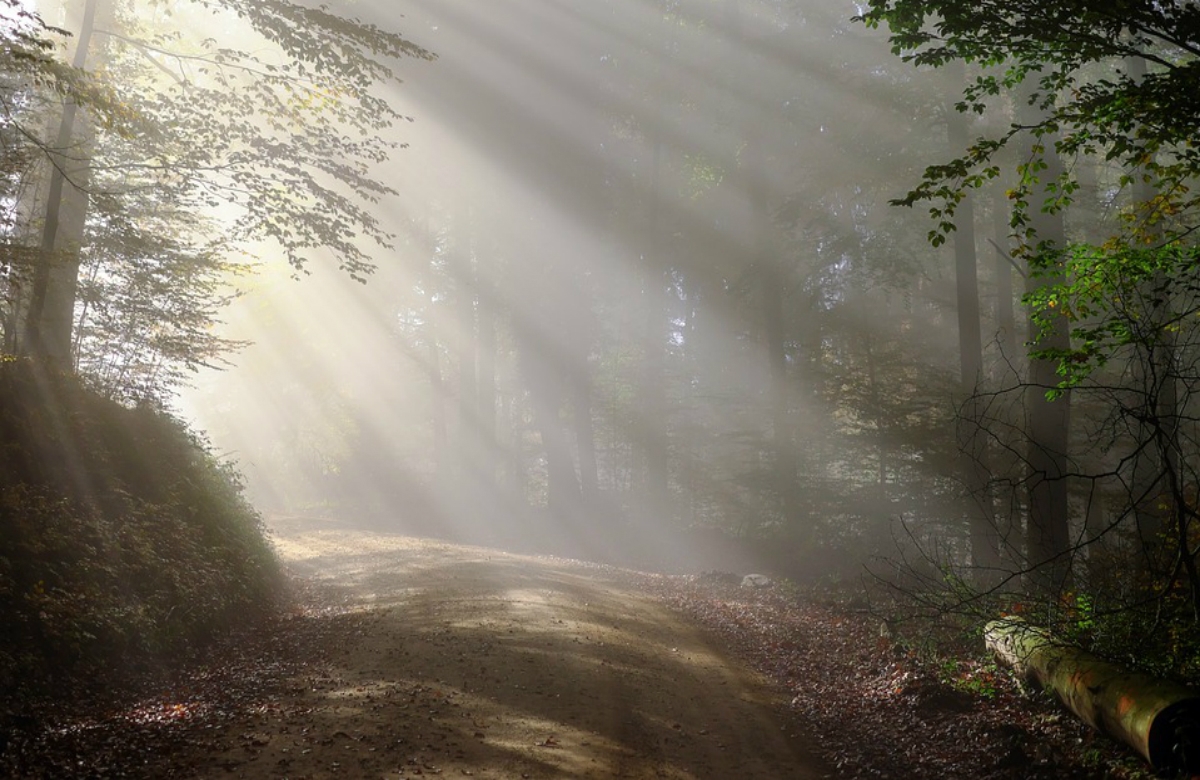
123 541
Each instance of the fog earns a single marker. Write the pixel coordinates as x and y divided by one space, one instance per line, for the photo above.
647 301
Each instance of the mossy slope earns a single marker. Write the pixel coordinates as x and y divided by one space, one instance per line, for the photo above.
124 543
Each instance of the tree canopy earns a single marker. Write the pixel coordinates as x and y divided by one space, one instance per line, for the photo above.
1116 82
189 156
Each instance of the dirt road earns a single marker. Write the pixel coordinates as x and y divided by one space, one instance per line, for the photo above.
471 662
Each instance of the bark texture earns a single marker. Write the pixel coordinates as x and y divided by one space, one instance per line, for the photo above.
1158 718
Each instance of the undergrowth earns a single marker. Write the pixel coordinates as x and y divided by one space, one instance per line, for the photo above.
124 544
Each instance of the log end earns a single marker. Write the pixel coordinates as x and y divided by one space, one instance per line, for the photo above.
1174 739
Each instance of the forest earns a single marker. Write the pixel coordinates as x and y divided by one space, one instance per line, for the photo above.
892 301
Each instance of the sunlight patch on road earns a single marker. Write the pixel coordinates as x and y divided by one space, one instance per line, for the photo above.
572 751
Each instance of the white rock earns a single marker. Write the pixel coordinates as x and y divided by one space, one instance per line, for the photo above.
756 581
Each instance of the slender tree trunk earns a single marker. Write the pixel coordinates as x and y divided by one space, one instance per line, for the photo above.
876 402
651 435
515 478
1048 422
585 437
772 288
1156 467
1096 521
433 367
438 399
461 262
546 392
51 311
12 316
463 265
985 547
1091 227
1006 323
1006 376
753 181
487 379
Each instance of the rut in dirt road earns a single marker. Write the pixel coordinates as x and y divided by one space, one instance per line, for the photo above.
471 662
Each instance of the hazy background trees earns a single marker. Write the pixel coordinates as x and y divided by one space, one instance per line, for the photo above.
650 290
639 287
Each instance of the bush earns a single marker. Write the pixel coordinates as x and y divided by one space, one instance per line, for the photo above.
123 542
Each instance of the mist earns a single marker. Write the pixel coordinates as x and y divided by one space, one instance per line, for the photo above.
598 388
647 300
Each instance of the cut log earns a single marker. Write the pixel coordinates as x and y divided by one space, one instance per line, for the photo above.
1158 718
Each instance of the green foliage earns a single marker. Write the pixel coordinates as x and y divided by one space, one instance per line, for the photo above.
1088 79
1117 296
981 679
31 73
122 541
293 142
196 154
1145 620
148 299
1107 88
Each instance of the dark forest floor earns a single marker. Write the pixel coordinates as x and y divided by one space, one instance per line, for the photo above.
880 710
418 658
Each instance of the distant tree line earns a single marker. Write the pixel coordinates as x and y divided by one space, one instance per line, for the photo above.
762 346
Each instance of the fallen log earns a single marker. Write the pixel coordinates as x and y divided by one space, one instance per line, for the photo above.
1158 718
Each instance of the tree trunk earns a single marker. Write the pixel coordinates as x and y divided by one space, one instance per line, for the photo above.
464 435
876 402
1007 371
585 439
1156 466
546 393
1006 323
1159 719
461 264
772 287
1048 421
1046 455
782 437
486 380
51 313
651 435
753 184
985 546
438 399
515 479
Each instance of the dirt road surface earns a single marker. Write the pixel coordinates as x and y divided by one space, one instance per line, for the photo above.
469 662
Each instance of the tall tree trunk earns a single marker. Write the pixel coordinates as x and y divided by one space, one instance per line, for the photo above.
1006 323
753 183
51 312
581 403
487 379
461 265
782 439
546 393
1156 466
651 436
433 367
985 547
876 402
1090 492
1006 374
772 287
1048 421
438 399
515 479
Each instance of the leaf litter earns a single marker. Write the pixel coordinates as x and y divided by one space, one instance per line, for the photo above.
879 710
875 709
